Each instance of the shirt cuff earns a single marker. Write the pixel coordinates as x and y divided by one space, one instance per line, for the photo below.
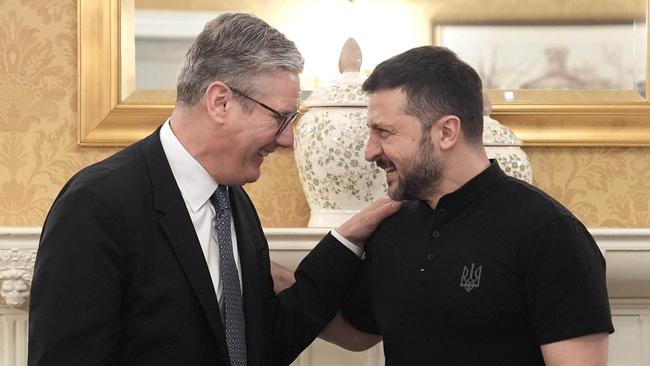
350 245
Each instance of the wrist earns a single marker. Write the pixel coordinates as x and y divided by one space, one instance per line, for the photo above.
357 248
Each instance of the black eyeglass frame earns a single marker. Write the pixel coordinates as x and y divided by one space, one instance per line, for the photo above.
285 119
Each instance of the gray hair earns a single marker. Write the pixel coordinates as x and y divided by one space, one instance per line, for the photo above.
234 48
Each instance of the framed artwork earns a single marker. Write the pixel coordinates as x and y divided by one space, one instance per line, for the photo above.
514 56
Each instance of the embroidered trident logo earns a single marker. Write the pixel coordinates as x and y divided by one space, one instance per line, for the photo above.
471 277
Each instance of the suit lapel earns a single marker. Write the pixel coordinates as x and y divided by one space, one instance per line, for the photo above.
246 233
179 230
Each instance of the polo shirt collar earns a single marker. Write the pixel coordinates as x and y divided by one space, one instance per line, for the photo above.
473 189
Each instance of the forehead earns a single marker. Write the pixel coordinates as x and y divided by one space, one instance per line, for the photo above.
386 104
282 84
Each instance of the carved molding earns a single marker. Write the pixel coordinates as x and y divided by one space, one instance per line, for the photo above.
17 256
16 269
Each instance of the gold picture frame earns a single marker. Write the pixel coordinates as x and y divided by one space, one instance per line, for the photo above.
112 113
106 78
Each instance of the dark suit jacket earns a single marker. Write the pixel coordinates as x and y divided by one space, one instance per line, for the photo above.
120 278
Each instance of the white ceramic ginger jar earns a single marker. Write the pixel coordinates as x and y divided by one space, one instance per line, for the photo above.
329 147
503 145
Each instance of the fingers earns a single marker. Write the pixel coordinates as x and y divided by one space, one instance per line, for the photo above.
380 201
361 225
381 209
379 205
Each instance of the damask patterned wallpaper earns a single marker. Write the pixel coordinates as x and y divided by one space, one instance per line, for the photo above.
605 187
38 127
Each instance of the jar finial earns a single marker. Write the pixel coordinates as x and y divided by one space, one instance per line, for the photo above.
350 59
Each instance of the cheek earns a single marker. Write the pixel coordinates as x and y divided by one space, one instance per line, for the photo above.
247 146
395 155
406 152
262 138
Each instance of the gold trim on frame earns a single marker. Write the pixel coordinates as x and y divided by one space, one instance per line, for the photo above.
106 78
113 113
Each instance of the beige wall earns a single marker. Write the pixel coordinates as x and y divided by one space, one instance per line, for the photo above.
605 187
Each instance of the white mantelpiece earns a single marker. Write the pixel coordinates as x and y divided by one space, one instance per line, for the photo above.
627 252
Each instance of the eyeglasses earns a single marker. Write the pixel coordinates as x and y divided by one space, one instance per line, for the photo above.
283 119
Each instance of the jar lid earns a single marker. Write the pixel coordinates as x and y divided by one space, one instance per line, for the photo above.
496 134
346 90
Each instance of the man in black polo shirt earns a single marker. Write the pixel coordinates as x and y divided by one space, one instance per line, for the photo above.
477 268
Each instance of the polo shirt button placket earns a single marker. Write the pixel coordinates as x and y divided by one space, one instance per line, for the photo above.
435 234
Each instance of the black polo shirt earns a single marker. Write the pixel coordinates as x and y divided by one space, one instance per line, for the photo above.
496 270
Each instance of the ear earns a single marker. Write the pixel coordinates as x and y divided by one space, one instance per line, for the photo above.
448 129
218 98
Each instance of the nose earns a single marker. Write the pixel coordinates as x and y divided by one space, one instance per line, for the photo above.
285 139
373 148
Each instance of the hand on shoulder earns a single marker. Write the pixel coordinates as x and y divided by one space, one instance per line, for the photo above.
360 226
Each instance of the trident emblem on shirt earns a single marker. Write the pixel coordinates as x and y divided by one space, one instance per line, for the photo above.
471 277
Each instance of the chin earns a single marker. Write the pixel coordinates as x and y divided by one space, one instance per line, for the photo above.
252 176
392 188
392 184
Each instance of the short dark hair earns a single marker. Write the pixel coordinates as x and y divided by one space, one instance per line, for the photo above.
436 83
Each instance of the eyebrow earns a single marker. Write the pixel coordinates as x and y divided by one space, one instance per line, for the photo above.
375 125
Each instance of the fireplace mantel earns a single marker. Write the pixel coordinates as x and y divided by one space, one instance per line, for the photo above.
627 252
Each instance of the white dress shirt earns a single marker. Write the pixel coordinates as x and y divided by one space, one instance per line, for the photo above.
196 187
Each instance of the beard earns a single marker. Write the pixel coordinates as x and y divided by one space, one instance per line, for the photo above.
419 176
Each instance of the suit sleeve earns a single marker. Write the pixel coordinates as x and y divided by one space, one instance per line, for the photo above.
357 307
322 279
295 317
76 289
300 312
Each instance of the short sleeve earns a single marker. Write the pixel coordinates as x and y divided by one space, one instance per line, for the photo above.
565 286
357 305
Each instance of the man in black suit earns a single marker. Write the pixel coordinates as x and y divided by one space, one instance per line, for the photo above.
156 256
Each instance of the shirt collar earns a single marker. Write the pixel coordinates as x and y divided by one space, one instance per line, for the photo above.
473 189
194 182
